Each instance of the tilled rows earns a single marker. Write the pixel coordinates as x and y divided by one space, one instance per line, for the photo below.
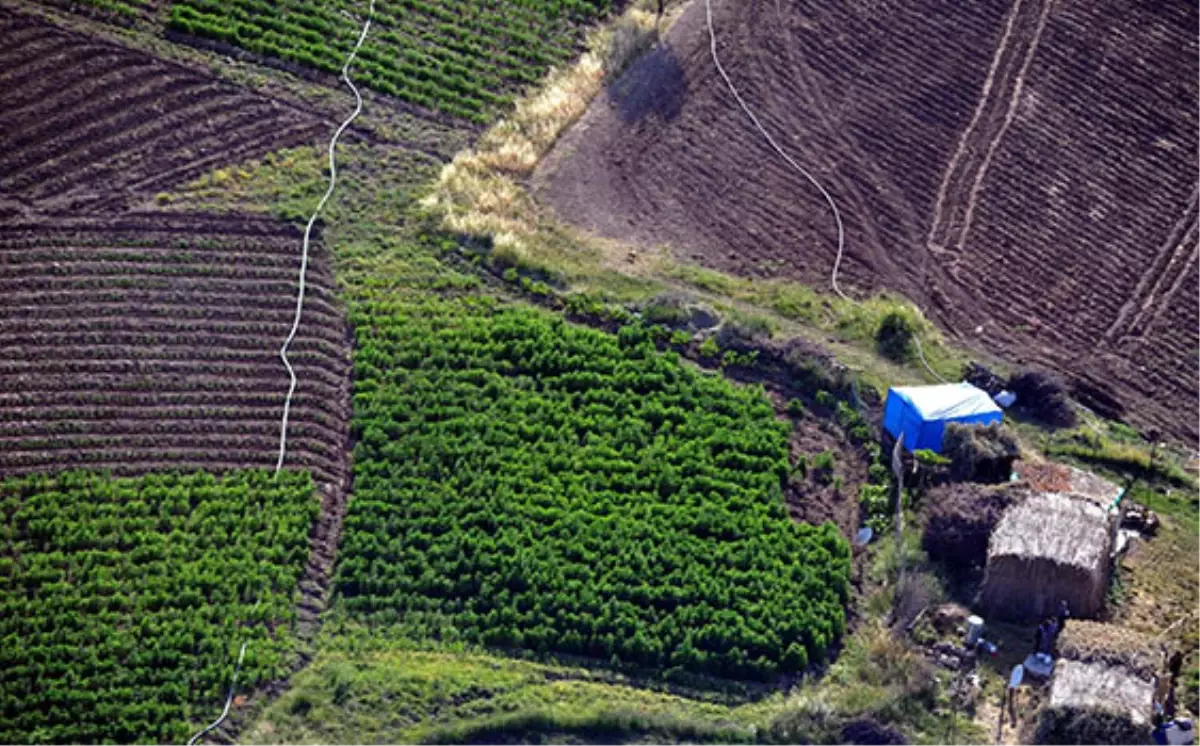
1020 170
89 125
853 92
121 347
1084 234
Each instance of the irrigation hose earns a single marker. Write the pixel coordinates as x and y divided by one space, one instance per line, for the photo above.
837 215
228 700
287 402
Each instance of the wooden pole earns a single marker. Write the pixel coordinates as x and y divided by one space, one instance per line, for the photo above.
898 470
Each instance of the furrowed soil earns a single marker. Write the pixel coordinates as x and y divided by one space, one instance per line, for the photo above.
133 339
91 125
1024 172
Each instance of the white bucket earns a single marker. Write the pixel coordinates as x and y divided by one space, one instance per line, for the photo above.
974 630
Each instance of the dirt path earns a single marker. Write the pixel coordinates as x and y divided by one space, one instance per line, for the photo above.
962 182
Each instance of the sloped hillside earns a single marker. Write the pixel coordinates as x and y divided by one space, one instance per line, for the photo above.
1024 172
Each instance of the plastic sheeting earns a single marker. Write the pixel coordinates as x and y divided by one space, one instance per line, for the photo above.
921 412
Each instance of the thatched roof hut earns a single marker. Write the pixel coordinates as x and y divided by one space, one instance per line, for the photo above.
1112 645
1096 703
1048 548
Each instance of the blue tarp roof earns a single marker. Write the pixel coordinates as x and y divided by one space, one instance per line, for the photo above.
921 412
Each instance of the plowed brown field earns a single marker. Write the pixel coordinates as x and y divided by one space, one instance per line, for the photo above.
151 341
91 125
1024 171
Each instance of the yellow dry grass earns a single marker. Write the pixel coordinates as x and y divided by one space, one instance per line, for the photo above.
479 193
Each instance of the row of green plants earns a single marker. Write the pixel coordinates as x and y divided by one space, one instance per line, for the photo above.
529 484
464 58
123 602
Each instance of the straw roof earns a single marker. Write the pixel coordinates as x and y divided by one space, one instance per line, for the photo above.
1110 644
1054 526
1047 476
1095 686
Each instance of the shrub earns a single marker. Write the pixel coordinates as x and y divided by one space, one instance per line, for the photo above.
822 466
1044 396
709 348
681 337
894 336
980 453
825 399
743 332
667 310
795 408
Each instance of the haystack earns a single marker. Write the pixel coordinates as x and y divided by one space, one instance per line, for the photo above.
1096 703
961 519
1048 548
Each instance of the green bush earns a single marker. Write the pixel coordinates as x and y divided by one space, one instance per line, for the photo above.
894 337
129 597
796 408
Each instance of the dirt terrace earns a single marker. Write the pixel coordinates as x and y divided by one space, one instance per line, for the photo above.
90 125
1024 172
151 339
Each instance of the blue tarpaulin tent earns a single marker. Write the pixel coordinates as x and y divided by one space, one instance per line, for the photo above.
921 412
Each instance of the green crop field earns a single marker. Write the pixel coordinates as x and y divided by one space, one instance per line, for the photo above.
464 58
543 486
123 602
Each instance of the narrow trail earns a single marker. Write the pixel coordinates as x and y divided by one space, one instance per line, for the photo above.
287 403
1182 236
995 112
1009 115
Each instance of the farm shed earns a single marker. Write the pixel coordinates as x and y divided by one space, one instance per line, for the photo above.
1096 703
1048 548
922 412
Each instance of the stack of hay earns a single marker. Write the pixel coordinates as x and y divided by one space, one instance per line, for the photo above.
1103 687
1049 548
960 520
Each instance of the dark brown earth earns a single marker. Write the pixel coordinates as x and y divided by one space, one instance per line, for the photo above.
1026 172
89 125
152 341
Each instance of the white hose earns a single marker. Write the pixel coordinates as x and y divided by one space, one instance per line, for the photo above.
228 700
287 403
837 215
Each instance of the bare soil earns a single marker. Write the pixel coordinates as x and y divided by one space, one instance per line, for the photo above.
90 125
1023 171
122 346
